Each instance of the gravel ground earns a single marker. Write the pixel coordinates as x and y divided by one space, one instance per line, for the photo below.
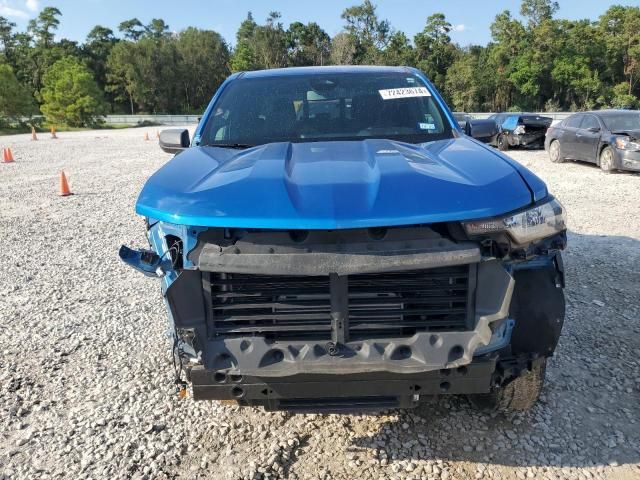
86 384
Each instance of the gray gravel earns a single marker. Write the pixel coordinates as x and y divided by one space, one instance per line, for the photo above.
86 384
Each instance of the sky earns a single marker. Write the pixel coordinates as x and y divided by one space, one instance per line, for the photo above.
471 18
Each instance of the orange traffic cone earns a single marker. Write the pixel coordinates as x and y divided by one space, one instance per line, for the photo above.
146 136
65 191
53 133
33 134
7 155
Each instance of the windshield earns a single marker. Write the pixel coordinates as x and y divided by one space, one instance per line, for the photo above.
622 121
324 107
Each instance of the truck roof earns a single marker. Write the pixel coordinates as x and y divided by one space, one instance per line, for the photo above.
285 72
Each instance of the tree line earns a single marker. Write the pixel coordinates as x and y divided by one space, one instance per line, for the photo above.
538 63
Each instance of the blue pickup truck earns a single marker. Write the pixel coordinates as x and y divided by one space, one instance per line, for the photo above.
330 241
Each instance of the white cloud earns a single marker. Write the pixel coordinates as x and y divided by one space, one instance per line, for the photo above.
33 5
8 11
459 28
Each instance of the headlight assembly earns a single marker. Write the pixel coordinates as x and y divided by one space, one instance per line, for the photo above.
623 143
526 226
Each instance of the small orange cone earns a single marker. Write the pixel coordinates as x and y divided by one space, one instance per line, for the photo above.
7 155
53 133
64 186
146 136
33 134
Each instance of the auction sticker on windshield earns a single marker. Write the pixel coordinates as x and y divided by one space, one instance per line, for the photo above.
406 92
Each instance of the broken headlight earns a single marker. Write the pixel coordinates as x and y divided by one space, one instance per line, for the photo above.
624 143
535 223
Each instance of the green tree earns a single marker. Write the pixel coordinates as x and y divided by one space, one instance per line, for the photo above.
434 51
35 50
15 100
343 49
203 66
620 27
244 57
132 29
399 51
7 40
96 50
270 43
370 34
508 36
622 98
308 44
156 62
538 11
123 78
462 83
157 28
577 66
70 94
43 28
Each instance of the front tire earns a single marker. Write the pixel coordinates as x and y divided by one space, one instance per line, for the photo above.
555 152
606 160
503 143
521 394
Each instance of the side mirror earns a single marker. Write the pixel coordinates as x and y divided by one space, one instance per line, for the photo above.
174 140
593 129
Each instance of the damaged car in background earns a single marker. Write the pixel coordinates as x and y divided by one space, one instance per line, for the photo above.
608 138
331 241
526 130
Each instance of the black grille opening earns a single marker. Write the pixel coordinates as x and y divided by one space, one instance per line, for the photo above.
272 306
404 303
397 304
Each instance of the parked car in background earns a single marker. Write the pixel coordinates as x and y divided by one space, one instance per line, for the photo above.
519 130
608 138
483 130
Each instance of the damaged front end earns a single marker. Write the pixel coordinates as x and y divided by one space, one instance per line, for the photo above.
355 319
526 131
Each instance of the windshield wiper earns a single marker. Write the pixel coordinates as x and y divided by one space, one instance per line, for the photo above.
238 146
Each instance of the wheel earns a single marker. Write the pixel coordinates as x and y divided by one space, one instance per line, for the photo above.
503 144
555 152
606 160
520 394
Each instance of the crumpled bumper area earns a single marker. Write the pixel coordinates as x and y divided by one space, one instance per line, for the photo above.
357 325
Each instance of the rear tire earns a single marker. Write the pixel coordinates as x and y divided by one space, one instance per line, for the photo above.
555 152
606 160
521 394
503 144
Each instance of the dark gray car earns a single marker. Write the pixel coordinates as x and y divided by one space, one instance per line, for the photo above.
608 138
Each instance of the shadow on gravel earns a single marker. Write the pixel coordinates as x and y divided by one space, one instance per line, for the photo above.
589 412
593 166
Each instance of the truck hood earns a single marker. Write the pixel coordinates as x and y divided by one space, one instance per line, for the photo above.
335 185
